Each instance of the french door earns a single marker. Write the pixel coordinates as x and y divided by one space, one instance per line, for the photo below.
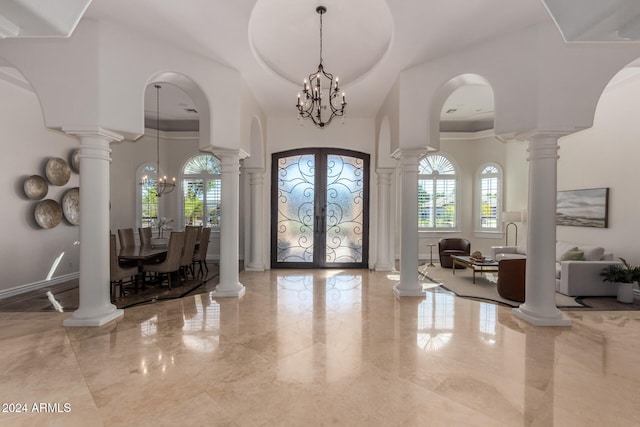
320 209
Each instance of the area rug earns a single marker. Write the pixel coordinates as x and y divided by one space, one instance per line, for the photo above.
461 284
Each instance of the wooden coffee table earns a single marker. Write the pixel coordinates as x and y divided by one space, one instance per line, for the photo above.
487 266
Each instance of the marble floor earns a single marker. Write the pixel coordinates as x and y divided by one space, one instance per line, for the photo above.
321 347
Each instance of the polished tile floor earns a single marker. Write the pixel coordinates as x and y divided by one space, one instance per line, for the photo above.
322 347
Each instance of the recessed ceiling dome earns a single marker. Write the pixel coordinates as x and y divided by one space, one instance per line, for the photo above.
285 37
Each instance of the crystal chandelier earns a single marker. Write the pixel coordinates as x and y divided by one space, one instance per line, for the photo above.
310 105
162 185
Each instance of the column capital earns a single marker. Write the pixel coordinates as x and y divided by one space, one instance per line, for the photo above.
226 153
93 131
385 171
543 147
254 171
540 133
403 153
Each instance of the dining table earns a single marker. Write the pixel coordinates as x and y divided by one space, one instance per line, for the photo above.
141 255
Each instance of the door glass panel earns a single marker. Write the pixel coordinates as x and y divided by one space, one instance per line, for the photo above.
295 227
344 209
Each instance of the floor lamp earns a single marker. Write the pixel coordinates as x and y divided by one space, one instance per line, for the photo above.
511 217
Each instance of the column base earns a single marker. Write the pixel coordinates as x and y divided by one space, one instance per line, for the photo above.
254 268
530 317
398 291
98 320
229 293
383 267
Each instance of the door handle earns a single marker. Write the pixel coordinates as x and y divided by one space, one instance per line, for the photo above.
317 224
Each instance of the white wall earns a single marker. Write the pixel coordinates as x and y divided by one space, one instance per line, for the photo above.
29 251
607 156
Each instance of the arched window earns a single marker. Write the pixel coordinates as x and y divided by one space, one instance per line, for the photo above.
147 206
488 210
437 188
201 190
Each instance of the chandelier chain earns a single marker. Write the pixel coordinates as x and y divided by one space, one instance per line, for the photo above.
321 13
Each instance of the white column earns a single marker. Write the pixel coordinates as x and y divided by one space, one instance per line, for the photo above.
95 308
256 180
539 307
229 285
383 262
409 284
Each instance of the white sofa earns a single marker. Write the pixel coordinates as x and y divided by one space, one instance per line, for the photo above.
573 278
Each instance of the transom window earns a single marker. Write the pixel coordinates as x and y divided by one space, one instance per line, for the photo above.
437 193
201 186
490 185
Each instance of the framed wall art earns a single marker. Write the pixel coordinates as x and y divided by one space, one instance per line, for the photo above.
583 208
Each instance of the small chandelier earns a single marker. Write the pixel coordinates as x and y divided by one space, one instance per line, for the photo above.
162 185
310 105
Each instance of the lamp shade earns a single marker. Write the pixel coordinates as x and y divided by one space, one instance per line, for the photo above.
512 216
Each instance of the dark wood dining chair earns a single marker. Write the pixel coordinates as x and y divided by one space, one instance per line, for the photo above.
171 263
200 256
118 273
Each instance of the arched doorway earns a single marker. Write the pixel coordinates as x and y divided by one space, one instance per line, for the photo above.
320 209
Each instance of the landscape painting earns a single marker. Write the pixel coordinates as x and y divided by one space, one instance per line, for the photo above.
583 208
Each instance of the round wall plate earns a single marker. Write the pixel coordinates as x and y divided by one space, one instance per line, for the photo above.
75 160
71 205
57 171
36 187
48 213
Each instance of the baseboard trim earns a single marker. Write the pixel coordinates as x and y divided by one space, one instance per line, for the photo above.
6 293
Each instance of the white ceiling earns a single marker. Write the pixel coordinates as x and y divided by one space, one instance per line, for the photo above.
274 44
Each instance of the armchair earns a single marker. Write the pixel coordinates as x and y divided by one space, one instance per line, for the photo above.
452 246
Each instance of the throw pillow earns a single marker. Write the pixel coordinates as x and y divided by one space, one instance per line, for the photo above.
562 247
592 253
573 254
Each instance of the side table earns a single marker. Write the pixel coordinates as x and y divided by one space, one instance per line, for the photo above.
431 245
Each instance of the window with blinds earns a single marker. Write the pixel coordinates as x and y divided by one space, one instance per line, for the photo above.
437 188
489 198
201 186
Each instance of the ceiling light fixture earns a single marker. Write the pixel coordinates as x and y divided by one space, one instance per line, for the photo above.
310 105
161 184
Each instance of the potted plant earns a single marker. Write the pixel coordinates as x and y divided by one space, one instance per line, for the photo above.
625 276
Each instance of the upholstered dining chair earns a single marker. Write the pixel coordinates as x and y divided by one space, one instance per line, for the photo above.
201 254
197 227
452 246
171 263
186 260
145 236
118 273
126 238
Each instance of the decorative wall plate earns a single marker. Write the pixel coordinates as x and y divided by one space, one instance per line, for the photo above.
71 205
36 187
75 160
57 171
48 213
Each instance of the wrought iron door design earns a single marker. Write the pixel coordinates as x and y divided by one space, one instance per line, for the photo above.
320 208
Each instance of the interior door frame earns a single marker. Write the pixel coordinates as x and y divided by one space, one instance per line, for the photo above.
319 255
